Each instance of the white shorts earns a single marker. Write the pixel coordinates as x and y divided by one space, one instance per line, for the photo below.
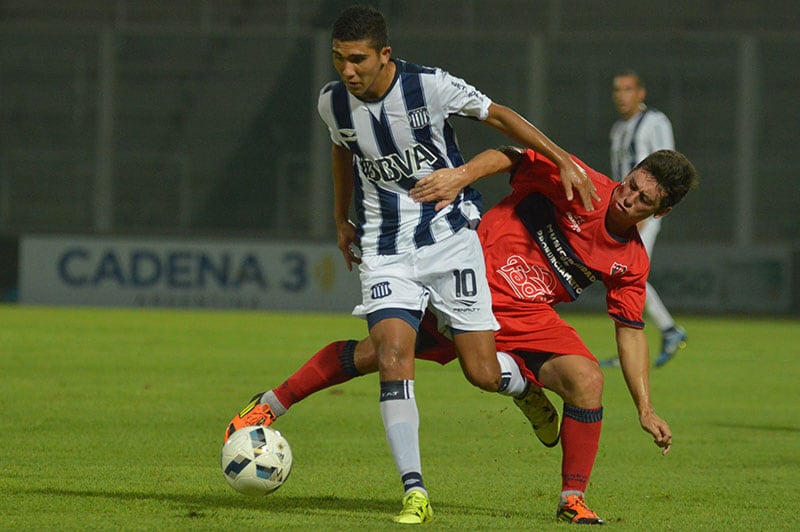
449 275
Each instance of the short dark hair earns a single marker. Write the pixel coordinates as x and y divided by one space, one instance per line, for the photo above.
630 73
361 23
674 173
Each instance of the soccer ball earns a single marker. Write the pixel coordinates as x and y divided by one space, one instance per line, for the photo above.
256 460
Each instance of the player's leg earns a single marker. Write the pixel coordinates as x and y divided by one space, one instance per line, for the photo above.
393 299
393 332
579 382
673 337
334 364
460 294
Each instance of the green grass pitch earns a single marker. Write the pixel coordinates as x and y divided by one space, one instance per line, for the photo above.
113 419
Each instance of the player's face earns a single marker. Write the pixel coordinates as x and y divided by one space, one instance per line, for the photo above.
638 197
362 68
628 95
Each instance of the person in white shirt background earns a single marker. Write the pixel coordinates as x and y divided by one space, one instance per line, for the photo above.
640 131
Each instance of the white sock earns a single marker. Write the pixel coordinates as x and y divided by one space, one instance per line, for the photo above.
512 381
271 399
401 422
565 494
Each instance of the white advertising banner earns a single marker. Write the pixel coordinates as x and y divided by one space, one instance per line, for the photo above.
154 272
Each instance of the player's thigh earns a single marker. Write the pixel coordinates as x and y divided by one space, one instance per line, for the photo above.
477 353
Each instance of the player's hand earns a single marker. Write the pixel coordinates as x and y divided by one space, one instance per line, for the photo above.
658 428
346 240
573 177
441 186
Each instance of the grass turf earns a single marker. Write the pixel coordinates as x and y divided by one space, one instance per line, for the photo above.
113 418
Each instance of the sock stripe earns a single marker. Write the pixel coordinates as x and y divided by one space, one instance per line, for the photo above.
505 380
583 415
347 359
396 390
413 480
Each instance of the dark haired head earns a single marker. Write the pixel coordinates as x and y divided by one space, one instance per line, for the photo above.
361 23
674 173
631 74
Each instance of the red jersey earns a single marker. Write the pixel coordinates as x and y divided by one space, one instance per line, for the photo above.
542 249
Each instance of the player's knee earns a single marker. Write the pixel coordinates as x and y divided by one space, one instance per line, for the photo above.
392 355
484 378
364 357
592 383
587 387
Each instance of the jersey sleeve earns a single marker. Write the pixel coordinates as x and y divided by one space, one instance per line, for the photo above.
325 110
460 98
625 297
660 136
537 173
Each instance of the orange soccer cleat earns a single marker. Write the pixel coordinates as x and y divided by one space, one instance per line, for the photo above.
575 511
253 414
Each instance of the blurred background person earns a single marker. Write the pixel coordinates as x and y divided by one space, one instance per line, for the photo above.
640 131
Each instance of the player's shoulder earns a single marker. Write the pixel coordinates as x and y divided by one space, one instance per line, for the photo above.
655 115
328 88
407 67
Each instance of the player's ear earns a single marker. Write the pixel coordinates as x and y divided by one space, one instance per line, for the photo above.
662 212
386 54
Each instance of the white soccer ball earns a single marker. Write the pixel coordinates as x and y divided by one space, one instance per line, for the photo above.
256 460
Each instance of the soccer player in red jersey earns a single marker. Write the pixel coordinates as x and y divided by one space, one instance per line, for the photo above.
540 249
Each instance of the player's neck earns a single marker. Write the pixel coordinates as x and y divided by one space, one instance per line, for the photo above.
634 112
618 229
384 81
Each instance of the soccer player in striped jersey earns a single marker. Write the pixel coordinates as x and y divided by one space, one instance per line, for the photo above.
640 131
388 123
540 249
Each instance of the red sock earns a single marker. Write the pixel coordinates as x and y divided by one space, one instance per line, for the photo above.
331 365
580 436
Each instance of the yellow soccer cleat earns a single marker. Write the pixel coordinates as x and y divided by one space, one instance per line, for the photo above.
542 415
416 509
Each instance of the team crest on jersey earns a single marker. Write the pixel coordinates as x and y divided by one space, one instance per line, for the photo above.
419 118
618 269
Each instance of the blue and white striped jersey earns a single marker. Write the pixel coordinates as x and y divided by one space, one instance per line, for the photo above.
634 139
396 141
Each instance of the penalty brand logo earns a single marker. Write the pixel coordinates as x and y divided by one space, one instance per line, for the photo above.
348 135
468 306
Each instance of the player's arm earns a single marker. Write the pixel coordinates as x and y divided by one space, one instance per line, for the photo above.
342 165
573 177
634 358
444 185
